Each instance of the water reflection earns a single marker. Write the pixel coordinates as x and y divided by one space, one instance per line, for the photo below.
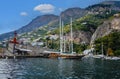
65 69
6 70
59 69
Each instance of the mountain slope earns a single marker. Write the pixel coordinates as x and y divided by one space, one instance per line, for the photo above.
112 3
34 24
73 13
102 11
52 21
106 6
38 22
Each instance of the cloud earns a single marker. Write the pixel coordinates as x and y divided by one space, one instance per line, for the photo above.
23 13
45 8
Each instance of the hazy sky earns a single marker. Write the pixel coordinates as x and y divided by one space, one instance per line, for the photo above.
17 13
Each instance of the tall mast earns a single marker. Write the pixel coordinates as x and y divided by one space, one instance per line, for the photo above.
64 44
71 37
60 36
63 36
60 32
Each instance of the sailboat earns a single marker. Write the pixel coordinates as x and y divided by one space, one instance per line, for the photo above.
62 53
71 54
53 54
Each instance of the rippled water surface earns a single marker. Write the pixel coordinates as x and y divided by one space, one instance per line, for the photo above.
41 68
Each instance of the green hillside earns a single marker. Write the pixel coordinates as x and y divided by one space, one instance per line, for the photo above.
110 42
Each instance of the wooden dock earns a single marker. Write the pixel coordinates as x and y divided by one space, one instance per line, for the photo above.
43 55
22 56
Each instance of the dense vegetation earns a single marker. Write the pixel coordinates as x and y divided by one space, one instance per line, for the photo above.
89 23
78 48
111 44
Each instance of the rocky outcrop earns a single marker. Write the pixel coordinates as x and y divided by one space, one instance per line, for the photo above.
80 37
106 28
75 13
105 5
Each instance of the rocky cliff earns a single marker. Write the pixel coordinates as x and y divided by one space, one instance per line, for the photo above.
81 37
106 28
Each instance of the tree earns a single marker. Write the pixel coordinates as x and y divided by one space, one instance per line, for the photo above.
111 43
110 52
